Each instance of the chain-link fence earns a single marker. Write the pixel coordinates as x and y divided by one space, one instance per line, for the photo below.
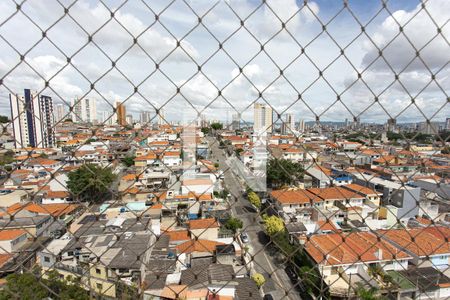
193 149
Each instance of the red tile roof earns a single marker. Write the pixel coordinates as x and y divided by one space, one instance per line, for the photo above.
203 224
179 235
11 234
350 248
361 189
421 242
294 196
198 246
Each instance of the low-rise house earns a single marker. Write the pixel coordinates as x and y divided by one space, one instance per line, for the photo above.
293 201
332 195
371 196
428 247
53 197
345 259
207 229
11 240
172 158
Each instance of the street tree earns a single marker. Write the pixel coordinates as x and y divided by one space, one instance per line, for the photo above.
90 182
254 199
259 279
274 225
234 224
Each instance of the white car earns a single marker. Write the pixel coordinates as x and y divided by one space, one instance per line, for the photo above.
244 238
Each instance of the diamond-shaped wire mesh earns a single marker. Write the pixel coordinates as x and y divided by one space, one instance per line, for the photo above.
224 150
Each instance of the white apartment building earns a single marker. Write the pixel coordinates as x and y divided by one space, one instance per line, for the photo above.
262 118
33 120
84 110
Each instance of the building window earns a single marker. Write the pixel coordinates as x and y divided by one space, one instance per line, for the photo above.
98 271
46 259
99 286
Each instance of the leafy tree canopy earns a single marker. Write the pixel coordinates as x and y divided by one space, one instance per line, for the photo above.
4 119
234 224
273 225
90 182
205 130
128 161
254 199
283 172
216 126
259 279
30 286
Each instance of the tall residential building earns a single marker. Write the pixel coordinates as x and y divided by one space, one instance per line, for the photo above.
391 125
60 113
108 118
447 124
129 119
121 113
301 126
288 124
84 110
262 118
161 117
429 128
33 120
236 122
145 117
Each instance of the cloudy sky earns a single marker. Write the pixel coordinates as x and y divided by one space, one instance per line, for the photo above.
259 61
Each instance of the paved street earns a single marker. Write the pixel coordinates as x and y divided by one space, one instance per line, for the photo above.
277 281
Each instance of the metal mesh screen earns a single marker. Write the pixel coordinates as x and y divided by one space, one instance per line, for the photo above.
224 150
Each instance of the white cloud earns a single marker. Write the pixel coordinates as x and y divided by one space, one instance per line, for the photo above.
262 70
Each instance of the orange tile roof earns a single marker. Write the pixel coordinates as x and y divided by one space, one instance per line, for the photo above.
145 157
294 196
421 241
132 177
197 182
334 193
174 292
172 153
386 159
203 224
4 258
361 189
326 171
349 248
42 162
57 194
55 210
327 225
198 246
440 232
178 235
11 234
423 221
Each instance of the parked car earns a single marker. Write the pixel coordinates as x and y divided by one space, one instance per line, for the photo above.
290 271
268 297
244 237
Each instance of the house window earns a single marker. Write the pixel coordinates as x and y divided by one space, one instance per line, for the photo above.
98 271
99 286
46 259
